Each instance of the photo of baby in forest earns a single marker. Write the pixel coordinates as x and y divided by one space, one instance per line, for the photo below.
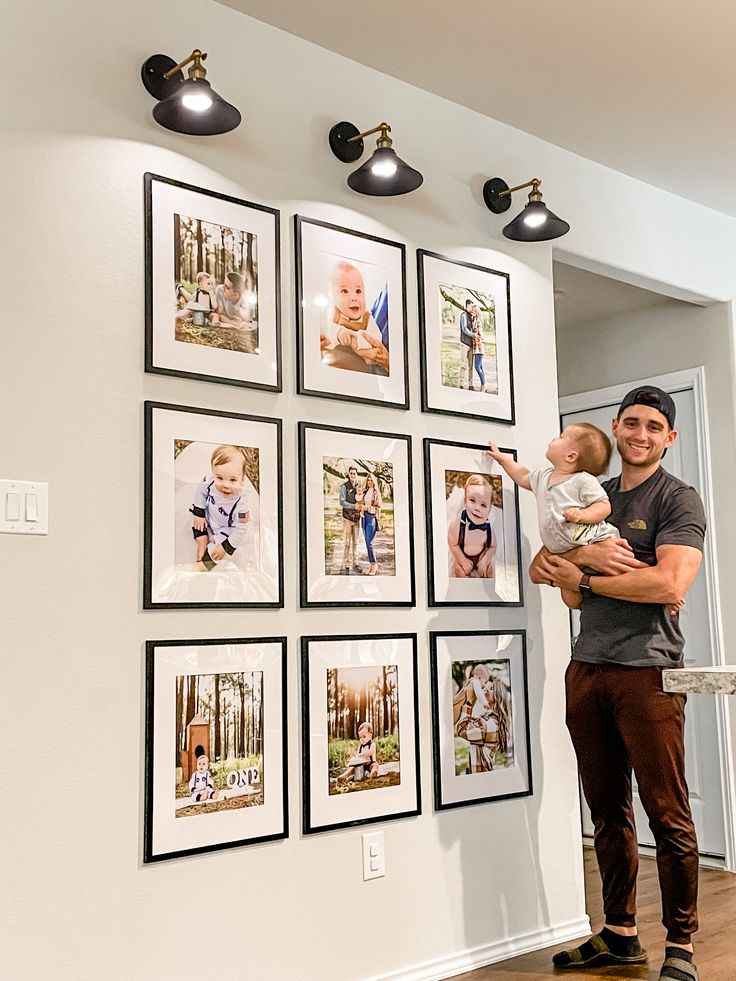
482 716
217 496
468 339
358 501
215 285
363 728
474 504
354 328
219 742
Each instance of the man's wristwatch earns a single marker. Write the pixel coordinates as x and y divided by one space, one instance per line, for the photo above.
584 585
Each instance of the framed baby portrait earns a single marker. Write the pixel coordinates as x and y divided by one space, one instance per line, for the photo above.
480 717
212 286
351 315
213 514
473 535
355 517
360 730
215 745
465 337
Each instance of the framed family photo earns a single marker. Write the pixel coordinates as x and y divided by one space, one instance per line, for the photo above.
216 745
213 512
212 286
351 315
360 730
355 517
465 337
473 533
480 717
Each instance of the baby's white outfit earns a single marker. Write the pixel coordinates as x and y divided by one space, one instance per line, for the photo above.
579 490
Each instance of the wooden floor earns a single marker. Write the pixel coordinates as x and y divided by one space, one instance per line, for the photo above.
715 941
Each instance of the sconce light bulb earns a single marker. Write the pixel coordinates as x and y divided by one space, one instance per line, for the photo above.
535 220
384 168
196 101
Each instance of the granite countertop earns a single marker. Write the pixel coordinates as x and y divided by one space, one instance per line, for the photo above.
718 680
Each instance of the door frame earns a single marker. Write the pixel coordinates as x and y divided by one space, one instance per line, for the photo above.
679 381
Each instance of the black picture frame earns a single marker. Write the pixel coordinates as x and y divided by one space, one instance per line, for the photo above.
310 733
304 518
511 527
503 409
155 363
149 602
304 387
151 854
509 784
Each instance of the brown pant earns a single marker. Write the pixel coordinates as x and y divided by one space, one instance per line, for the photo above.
620 718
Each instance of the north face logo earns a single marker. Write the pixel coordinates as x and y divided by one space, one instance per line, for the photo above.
638 524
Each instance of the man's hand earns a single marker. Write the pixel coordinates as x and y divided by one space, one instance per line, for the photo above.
611 557
557 571
376 354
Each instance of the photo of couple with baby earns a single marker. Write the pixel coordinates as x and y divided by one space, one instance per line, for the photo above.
215 285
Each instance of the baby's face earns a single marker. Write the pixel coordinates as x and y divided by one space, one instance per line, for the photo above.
365 734
478 502
202 764
206 283
561 446
229 477
348 293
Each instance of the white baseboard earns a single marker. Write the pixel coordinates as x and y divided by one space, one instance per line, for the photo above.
500 950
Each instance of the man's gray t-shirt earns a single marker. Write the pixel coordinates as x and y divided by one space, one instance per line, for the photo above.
661 511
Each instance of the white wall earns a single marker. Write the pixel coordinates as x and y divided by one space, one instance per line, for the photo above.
77 138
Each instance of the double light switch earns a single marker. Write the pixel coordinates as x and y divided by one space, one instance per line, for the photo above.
24 507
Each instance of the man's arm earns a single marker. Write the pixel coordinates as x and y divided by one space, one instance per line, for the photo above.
343 498
666 582
611 557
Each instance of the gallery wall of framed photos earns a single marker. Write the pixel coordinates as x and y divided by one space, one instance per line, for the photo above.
218 496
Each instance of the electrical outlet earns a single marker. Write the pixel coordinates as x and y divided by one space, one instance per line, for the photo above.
374 856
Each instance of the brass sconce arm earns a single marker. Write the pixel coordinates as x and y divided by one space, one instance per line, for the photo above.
196 71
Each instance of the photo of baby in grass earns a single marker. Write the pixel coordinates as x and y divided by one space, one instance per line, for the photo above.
215 285
363 728
482 716
219 742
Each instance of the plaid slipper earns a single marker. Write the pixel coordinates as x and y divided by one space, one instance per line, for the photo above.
597 951
678 968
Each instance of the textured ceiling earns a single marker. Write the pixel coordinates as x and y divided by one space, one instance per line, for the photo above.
644 87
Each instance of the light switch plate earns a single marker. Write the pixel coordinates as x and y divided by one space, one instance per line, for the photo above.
19 489
374 856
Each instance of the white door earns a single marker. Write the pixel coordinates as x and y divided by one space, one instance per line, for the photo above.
702 764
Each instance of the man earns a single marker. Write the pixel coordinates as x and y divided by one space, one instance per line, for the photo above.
350 523
234 306
617 713
467 341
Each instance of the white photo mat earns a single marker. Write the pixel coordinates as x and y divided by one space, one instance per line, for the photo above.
317 444
436 271
261 369
314 240
505 587
452 789
323 811
166 833
253 576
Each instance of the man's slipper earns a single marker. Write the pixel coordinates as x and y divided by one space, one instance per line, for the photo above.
596 951
678 968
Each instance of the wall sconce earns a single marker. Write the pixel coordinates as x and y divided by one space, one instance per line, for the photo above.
187 105
384 173
536 223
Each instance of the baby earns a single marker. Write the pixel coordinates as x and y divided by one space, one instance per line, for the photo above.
351 322
469 535
201 785
367 752
202 299
220 508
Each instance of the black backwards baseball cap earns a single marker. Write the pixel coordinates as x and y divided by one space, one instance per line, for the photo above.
652 396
